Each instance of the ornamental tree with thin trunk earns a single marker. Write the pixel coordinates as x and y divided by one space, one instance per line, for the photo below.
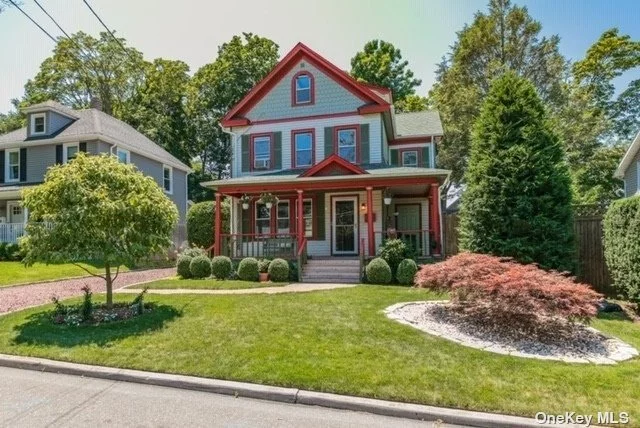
96 208
518 197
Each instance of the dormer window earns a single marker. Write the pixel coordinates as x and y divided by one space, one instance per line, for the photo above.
302 89
38 124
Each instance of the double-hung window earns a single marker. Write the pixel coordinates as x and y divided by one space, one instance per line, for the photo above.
38 124
347 144
303 89
262 152
303 148
13 165
410 158
167 178
123 156
263 219
70 151
283 217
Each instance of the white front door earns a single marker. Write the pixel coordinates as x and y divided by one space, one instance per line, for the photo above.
15 212
345 225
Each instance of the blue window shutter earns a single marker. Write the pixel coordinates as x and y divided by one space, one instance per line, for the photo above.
277 150
1 166
59 154
426 157
364 143
23 164
245 154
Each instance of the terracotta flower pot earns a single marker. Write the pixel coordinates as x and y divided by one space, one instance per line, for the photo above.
264 277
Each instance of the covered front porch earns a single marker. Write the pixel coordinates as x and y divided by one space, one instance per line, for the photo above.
345 211
13 216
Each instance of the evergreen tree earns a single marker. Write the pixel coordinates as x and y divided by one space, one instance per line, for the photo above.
518 199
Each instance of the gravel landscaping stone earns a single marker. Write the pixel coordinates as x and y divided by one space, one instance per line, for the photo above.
24 296
586 345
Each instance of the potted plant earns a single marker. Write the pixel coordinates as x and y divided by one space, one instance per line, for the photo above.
386 194
245 199
263 268
268 199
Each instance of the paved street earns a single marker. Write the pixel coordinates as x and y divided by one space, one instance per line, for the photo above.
34 399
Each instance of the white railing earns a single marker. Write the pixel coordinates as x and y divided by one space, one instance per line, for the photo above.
10 232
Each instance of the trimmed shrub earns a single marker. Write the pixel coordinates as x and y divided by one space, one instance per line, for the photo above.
378 271
200 267
248 269
621 226
200 222
406 272
184 266
194 252
509 297
279 270
10 252
393 251
263 265
221 267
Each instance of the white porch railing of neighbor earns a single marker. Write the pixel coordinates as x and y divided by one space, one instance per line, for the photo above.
10 232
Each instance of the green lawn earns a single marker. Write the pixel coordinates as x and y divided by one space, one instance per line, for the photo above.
15 273
208 284
335 341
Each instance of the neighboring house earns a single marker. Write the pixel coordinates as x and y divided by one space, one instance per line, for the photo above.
629 169
328 147
54 134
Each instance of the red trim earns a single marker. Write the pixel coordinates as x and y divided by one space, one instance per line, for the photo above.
299 118
298 53
334 159
409 140
357 219
238 122
252 160
373 108
300 217
345 128
418 150
379 88
294 132
312 89
434 218
344 183
217 245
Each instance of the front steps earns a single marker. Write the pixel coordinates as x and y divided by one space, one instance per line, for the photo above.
332 269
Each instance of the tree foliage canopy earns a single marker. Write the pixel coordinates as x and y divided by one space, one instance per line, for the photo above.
380 63
518 197
96 208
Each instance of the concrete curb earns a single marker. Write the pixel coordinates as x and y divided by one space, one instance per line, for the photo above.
273 393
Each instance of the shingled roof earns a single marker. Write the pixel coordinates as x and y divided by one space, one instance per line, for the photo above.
420 123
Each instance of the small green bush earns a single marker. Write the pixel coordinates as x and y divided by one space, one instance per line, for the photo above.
184 266
248 269
10 252
200 222
221 267
263 265
621 226
86 308
378 271
279 270
200 267
393 251
406 272
194 252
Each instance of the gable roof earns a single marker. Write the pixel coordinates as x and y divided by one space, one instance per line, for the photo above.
54 106
419 123
629 156
332 165
372 101
94 124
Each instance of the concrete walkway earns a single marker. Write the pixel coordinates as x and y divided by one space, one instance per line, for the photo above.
291 288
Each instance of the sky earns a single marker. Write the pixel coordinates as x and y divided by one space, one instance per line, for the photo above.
192 30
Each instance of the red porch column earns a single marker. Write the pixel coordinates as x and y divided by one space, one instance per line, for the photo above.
300 218
434 219
217 245
370 234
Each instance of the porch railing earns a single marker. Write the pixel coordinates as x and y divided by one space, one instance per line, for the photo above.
271 245
11 232
302 258
419 240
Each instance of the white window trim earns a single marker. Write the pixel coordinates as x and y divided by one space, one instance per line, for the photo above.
128 153
417 157
65 146
7 166
170 168
33 123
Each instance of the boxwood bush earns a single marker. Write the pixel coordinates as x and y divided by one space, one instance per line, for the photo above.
393 251
263 265
279 270
622 246
248 269
200 267
184 266
221 267
406 272
378 271
194 252
200 222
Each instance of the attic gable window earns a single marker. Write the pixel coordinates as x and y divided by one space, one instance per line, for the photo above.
302 89
38 124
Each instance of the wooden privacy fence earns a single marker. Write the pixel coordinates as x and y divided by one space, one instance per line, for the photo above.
592 268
